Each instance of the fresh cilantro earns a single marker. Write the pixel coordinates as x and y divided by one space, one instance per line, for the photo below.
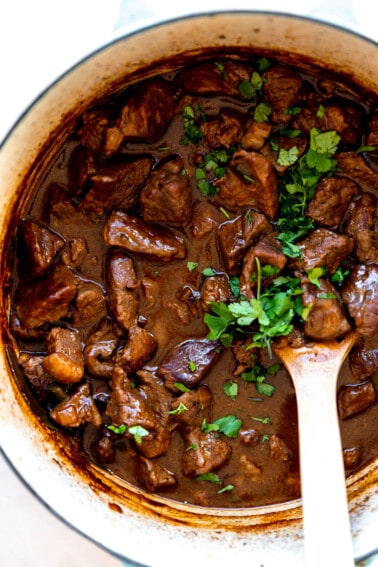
326 296
191 448
287 157
191 266
192 132
181 387
293 110
263 64
322 146
212 167
210 477
257 376
208 272
220 67
264 420
228 425
120 430
367 149
180 409
226 488
314 274
224 212
262 112
235 286
321 111
288 133
340 275
264 438
248 89
192 366
230 388
137 431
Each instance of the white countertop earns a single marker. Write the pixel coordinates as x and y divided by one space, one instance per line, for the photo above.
39 40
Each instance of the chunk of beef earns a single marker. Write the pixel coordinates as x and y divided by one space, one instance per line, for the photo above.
278 450
326 320
139 348
64 360
363 359
152 475
234 236
99 350
40 247
249 181
255 135
362 225
248 473
77 409
360 295
123 289
103 449
215 289
89 305
354 165
224 131
249 437
75 251
139 237
267 250
167 196
204 219
188 362
31 365
94 125
46 300
210 78
331 200
207 453
245 356
145 115
198 408
281 88
352 399
116 185
323 247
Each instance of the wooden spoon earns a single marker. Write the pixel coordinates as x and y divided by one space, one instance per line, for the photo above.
314 370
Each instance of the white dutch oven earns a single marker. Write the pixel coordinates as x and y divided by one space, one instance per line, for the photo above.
145 529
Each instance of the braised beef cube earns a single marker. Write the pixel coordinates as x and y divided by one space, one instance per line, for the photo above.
77 409
204 219
352 399
278 450
355 166
40 247
245 356
123 287
224 131
155 243
323 248
267 251
215 289
197 404
326 320
152 475
255 135
360 295
188 362
75 251
139 348
64 360
46 300
351 457
31 365
99 350
281 88
205 452
89 305
362 225
249 437
166 195
145 116
117 185
103 450
211 78
94 126
331 200
363 359
234 236
249 181
81 165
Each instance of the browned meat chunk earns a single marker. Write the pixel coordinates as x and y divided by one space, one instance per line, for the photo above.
135 235
139 348
93 128
326 320
362 225
207 453
103 450
46 300
40 247
167 196
197 404
123 289
31 364
267 250
77 409
363 359
74 253
210 78
215 288
360 295
248 474
99 351
64 360
145 115
324 248
204 219
224 131
331 200
116 186
188 362
250 181
282 88
278 450
152 475
249 437
245 356
234 237
355 399
255 135
354 165
89 304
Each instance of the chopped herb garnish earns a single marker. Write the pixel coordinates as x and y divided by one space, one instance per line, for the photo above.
264 420
228 425
262 112
191 448
180 409
263 64
191 266
340 275
208 272
221 68
287 157
230 388
367 149
210 477
293 110
226 488
235 286
248 89
120 430
192 132
314 274
321 111
181 387
326 296
192 366
137 431
264 438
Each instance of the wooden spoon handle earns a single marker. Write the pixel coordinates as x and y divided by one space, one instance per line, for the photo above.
328 539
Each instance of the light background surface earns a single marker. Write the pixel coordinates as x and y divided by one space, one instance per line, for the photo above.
39 40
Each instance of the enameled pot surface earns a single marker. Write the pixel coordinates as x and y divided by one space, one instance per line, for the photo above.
143 528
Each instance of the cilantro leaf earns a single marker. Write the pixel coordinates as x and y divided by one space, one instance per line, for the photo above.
210 477
229 425
231 388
